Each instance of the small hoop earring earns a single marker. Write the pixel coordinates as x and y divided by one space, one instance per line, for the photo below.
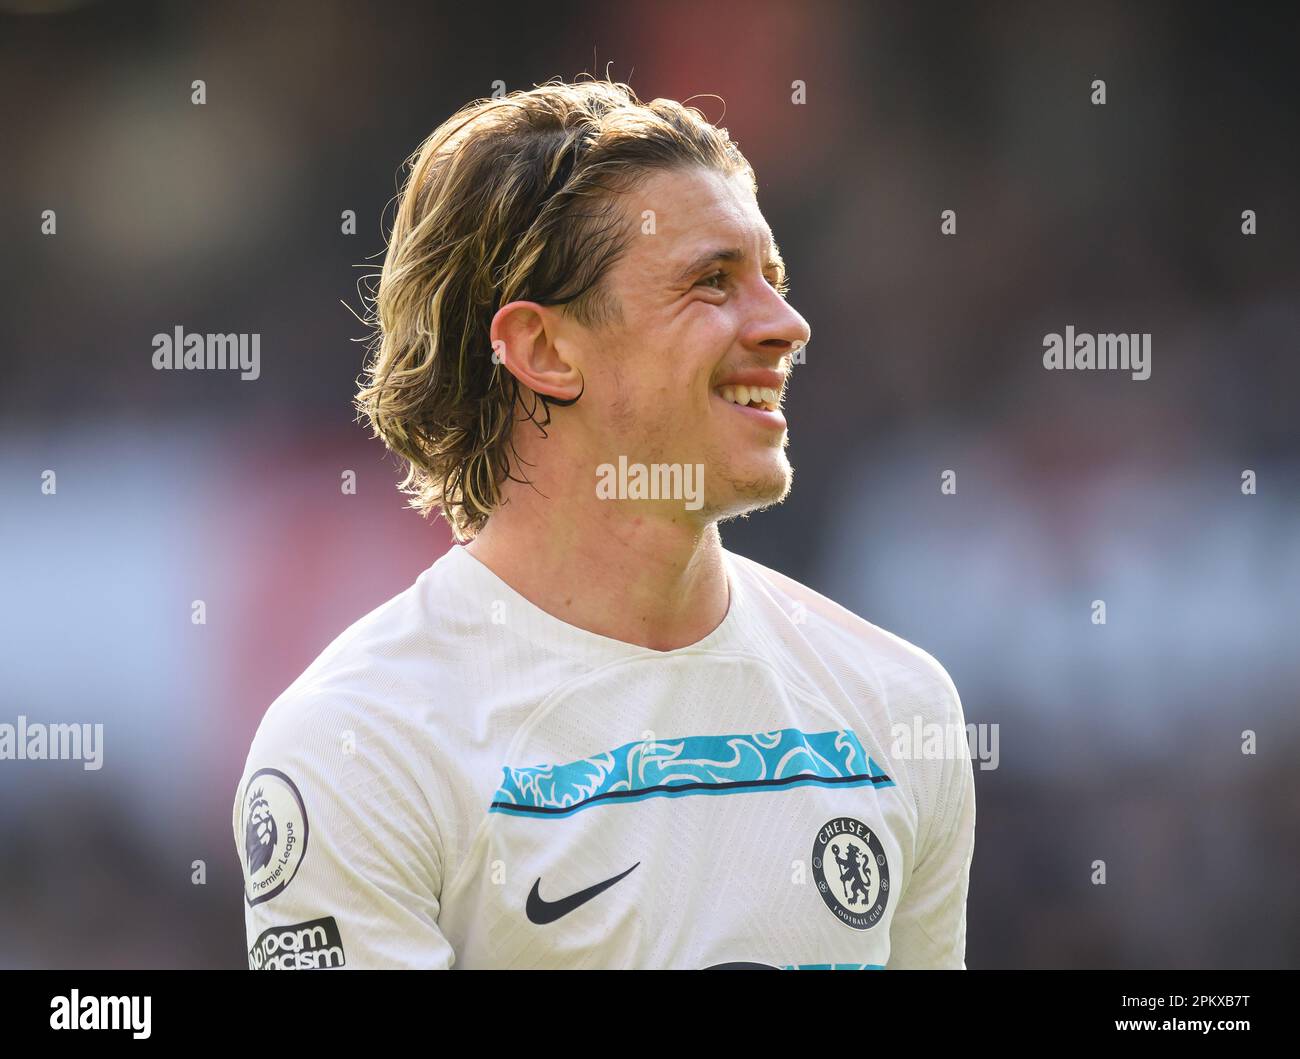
565 402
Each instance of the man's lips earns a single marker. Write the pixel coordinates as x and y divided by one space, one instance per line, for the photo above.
761 378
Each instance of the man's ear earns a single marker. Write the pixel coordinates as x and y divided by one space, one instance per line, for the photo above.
524 339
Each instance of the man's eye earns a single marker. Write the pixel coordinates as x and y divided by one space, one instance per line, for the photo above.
713 280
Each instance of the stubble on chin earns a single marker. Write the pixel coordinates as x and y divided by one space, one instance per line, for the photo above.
743 496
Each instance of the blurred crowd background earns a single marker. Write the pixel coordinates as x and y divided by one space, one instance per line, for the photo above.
1119 743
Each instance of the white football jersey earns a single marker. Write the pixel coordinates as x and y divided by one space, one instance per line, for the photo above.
462 779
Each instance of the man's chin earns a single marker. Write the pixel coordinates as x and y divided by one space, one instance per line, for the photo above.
743 494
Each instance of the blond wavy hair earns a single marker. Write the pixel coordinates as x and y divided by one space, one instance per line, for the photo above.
510 199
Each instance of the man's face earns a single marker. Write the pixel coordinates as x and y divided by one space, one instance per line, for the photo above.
700 317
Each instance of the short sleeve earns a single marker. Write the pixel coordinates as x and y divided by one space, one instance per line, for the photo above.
929 926
339 844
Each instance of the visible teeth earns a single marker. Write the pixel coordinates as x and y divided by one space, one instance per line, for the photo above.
764 396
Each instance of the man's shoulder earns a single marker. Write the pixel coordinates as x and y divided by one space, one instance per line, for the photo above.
377 674
849 638
358 732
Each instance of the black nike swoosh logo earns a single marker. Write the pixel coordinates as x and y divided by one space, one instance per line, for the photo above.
543 912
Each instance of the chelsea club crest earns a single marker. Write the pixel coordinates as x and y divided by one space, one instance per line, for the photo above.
851 872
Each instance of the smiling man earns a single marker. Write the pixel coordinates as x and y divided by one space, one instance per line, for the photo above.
589 736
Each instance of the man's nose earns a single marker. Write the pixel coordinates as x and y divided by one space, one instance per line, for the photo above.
778 329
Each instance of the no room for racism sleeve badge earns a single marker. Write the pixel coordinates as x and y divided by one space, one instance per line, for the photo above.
275 834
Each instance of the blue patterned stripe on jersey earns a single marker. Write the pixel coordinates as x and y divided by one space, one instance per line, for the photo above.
833 967
694 764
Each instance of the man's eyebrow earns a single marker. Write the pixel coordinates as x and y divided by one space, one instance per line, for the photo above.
730 255
709 257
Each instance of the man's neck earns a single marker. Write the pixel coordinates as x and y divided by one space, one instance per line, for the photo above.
636 573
